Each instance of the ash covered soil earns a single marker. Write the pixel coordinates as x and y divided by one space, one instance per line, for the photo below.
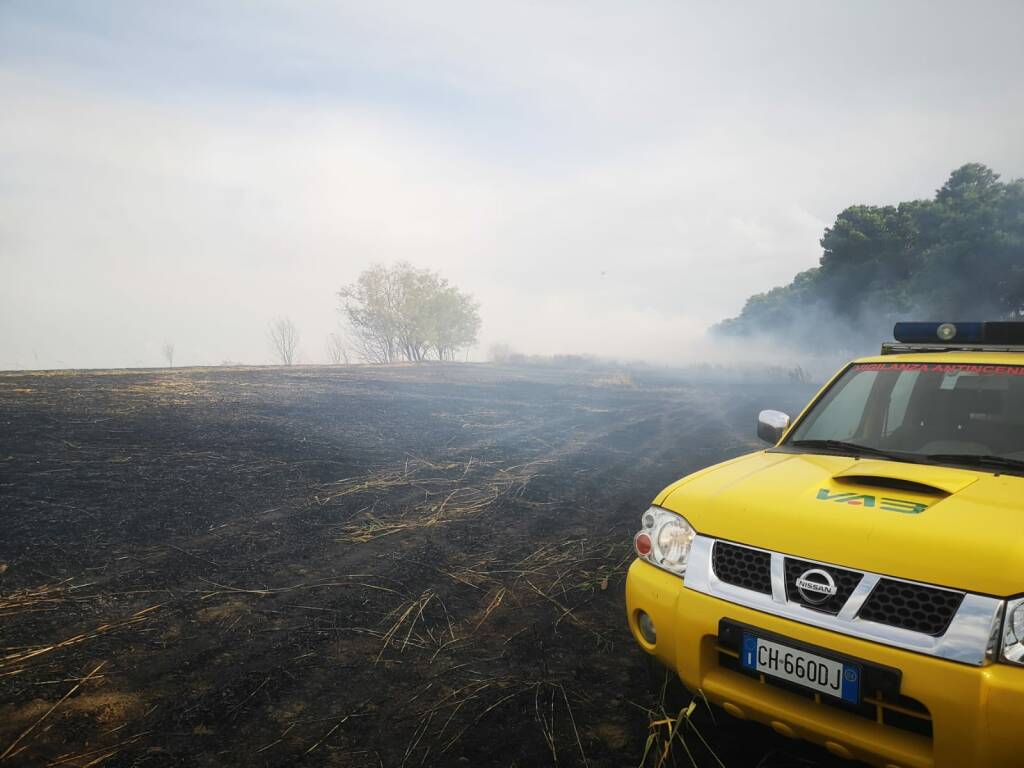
349 566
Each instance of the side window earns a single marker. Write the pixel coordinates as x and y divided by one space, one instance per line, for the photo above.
840 417
899 399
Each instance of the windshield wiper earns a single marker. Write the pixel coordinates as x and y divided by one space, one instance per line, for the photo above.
853 449
978 460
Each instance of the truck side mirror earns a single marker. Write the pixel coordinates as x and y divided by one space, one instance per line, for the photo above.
771 425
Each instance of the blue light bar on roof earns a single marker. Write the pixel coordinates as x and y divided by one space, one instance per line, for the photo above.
939 333
960 333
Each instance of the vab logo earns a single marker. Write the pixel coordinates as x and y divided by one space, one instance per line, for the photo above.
866 500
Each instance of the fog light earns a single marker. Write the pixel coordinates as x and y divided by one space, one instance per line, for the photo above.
646 625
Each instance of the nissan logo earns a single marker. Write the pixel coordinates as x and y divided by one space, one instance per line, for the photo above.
816 586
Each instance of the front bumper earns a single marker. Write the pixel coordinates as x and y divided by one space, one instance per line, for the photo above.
975 711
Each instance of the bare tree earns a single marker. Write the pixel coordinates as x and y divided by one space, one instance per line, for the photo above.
284 339
168 351
337 353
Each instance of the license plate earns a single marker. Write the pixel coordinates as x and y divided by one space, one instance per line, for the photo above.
833 678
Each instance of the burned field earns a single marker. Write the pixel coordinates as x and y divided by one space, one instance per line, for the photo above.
344 566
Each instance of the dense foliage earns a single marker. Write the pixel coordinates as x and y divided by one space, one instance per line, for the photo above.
959 256
404 313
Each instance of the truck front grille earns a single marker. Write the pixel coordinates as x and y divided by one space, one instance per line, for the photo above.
923 618
916 607
743 566
894 603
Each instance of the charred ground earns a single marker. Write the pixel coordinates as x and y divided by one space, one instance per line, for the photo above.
347 566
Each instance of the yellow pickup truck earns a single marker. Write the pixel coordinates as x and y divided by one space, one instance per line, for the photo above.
860 584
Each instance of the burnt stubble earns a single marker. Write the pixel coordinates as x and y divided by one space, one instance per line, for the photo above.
349 566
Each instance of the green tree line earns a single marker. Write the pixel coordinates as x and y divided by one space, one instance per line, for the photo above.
958 256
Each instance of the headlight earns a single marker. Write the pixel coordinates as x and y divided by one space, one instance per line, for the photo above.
1013 632
666 538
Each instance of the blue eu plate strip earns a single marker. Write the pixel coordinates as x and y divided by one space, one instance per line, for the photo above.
749 652
851 683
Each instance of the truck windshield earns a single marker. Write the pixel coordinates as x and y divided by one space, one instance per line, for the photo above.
956 414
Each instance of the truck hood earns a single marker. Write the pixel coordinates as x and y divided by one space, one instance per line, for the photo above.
952 527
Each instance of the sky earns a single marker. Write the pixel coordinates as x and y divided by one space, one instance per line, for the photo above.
605 178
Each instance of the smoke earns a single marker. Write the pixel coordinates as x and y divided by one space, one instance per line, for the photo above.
604 183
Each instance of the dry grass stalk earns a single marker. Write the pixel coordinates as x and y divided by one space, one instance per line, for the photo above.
10 751
11 661
547 722
418 733
46 597
499 595
555 573
666 731
95 756
411 473
457 737
327 735
446 499
408 615
476 692
351 581
547 726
